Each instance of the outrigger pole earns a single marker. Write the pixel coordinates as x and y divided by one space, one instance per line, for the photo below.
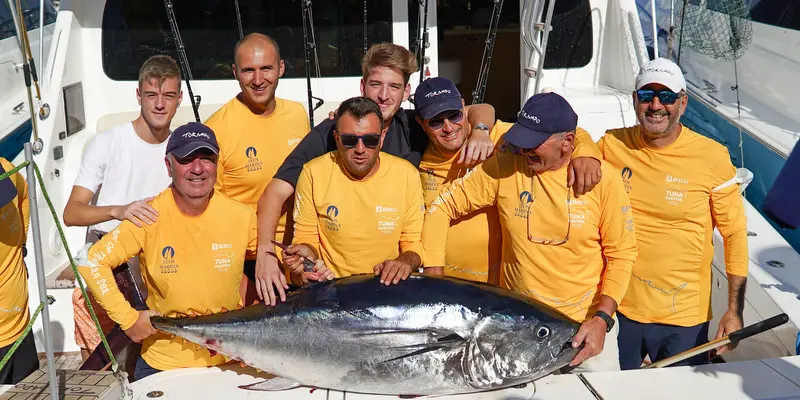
238 18
422 38
486 60
309 44
184 62
365 27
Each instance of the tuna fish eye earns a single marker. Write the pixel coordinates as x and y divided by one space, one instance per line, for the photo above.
543 332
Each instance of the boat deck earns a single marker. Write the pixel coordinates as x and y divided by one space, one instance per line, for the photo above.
67 361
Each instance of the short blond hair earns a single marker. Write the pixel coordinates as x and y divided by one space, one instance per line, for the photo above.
391 56
159 67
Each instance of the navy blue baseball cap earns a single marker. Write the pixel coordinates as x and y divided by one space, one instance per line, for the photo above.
544 114
8 191
191 137
436 95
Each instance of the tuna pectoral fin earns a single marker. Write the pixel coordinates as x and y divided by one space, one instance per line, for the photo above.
444 340
273 385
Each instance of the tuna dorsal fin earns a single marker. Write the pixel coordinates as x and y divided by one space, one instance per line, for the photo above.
273 384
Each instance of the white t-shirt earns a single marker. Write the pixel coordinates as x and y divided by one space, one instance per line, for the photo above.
127 167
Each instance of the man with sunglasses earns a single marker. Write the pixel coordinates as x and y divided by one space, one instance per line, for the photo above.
474 241
681 188
192 255
386 70
358 210
573 254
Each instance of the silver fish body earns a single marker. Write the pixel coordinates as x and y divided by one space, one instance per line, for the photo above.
424 336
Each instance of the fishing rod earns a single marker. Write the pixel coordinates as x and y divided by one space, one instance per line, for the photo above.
422 37
309 44
184 62
733 338
238 18
29 72
365 27
486 60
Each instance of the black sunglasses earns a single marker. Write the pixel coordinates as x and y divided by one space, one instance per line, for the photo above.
438 120
350 140
666 97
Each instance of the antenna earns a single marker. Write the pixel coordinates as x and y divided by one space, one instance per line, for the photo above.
184 62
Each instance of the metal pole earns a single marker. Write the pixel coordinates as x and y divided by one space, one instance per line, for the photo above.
545 37
41 35
655 28
37 251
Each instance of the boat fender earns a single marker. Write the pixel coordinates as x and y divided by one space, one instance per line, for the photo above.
782 199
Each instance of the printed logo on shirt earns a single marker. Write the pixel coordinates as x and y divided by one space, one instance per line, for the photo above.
332 223
167 264
222 256
522 209
382 209
292 142
253 163
673 195
628 217
14 225
626 178
386 225
429 182
675 179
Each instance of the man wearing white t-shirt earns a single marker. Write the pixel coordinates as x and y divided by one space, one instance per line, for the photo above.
126 165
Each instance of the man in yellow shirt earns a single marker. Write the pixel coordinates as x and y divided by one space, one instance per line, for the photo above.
191 256
681 187
573 254
358 210
474 240
255 129
14 313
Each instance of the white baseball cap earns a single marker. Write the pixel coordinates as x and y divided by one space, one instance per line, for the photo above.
662 71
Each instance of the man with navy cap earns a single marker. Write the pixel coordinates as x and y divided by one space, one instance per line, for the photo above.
14 312
191 256
573 254
474 241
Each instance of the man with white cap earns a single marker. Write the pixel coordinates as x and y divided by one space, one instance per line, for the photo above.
681 185
573 254
191 256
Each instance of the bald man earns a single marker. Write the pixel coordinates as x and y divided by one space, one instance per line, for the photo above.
255 130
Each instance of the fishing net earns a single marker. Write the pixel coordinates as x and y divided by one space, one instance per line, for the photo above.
717 28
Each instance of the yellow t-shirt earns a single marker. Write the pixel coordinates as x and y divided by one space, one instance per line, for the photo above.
571 277
189 264
474 241
356 224
14 222
252 148
676 208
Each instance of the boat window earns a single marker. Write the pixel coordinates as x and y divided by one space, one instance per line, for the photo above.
30 10
782 13
570 42
134 30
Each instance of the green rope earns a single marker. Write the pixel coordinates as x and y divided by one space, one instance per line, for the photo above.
14 171
114 365
25 332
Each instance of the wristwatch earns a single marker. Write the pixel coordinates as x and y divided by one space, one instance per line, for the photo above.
607 318
481 126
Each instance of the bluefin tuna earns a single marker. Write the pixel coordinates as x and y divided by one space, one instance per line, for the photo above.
424 336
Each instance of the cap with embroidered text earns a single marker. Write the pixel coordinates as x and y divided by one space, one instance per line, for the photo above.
544 114
661 71
191 137
436 95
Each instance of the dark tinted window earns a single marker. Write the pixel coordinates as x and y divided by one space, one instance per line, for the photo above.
30 10
782 13
134 30
570 42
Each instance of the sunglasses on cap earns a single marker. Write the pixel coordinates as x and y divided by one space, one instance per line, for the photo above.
666 97
350 140
438 120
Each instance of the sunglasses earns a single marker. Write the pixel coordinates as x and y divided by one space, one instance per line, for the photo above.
666 97
371 140
438 121
558 241
519 150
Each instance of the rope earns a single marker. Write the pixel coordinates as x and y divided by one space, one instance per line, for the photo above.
114 365
19 340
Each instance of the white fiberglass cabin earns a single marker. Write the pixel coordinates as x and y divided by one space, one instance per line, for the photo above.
592 56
